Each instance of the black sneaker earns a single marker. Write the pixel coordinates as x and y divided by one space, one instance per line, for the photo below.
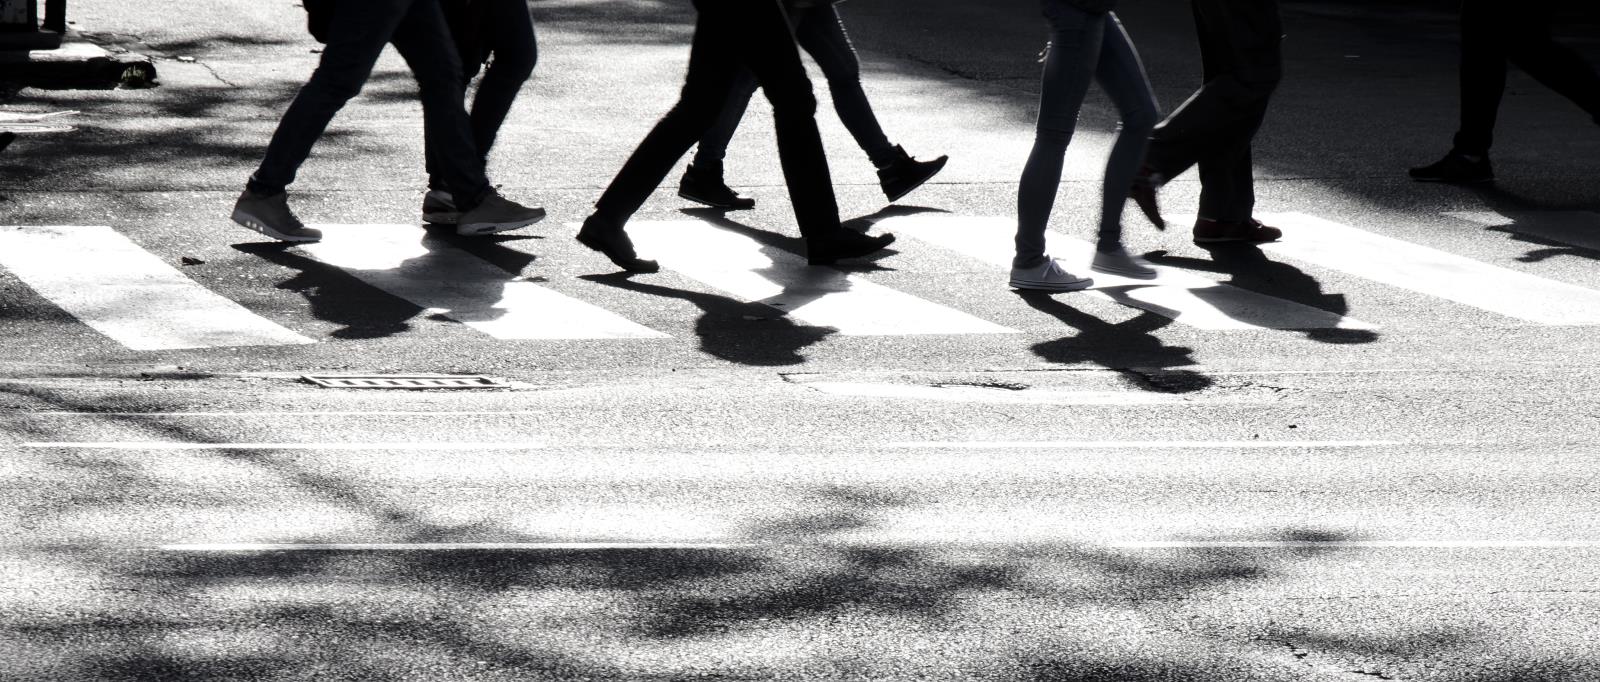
608 238
844 244
905 174
1456 167
708 188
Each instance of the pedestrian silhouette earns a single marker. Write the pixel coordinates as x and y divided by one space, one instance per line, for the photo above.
732 36
1085 44
499 32
355 33
1493 34
1241 59
821 32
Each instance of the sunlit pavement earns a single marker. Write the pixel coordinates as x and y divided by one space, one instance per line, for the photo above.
1366 452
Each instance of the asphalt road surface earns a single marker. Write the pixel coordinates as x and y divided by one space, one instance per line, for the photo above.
1366 452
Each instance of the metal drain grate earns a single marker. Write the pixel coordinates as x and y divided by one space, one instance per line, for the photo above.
406 381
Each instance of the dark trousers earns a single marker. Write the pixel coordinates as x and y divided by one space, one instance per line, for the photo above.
821 33
1242 60
729 36
356 37
1495 33
507 33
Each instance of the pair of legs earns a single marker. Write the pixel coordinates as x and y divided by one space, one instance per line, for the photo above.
732 36
504 29
357 33
1084 47
1242 62
1493 36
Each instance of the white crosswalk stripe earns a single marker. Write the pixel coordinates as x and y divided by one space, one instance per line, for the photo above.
1187 298
824 297
464 287
123 291
1424 270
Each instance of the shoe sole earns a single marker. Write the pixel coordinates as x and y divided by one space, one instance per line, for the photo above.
1233 240
250 222
717 204
480 229
1077 285
441 217
896 197
1130 274
1455 181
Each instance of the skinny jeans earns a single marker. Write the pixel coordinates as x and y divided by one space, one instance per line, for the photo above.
356 36
730 36
821 33
1495 33
508 34
1241 58
1084 46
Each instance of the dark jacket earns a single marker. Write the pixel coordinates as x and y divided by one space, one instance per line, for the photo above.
1094 5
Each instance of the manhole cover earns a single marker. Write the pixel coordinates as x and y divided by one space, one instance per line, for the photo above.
412 381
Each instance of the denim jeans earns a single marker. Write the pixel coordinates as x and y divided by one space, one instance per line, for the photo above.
356 37
1493 34
508 35
821 32
731 36
1084 46
1242 61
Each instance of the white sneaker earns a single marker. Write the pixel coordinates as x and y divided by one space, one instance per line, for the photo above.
1048 277
497 214
1122 264
271 216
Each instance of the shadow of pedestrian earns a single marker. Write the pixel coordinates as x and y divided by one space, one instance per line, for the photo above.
1251 269
1129 347
1526 220
745 333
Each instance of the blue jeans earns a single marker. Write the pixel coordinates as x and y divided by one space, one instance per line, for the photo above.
507 32
1084 46
821 33
356 37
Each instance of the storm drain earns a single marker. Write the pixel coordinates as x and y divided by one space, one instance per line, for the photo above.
405 381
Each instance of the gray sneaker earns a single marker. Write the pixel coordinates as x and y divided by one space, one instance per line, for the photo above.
1048 277
439 208
1119 262
497 214
271 216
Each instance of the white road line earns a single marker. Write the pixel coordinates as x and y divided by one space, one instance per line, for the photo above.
1575 228
824 297
1188 298
464 287
120 290
445 546
1357 544
1138 444
289 415
1432 272
152 445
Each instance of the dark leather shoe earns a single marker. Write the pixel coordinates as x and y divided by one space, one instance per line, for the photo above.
844 244
608 238
1455 167
1220 231
1143 193
708 188
905 174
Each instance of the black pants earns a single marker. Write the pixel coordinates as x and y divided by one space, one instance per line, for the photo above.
1242 60
506 31
729 36
1495 33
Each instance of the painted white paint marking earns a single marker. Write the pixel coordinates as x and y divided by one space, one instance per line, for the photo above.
463 287
154 445
1432 272
1357 544
120 290
1139 444
823 297
1575 228
1188 298
447 547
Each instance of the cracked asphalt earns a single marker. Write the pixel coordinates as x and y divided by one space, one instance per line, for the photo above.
1104 494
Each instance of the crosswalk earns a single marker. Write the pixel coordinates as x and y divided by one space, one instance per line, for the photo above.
130 295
